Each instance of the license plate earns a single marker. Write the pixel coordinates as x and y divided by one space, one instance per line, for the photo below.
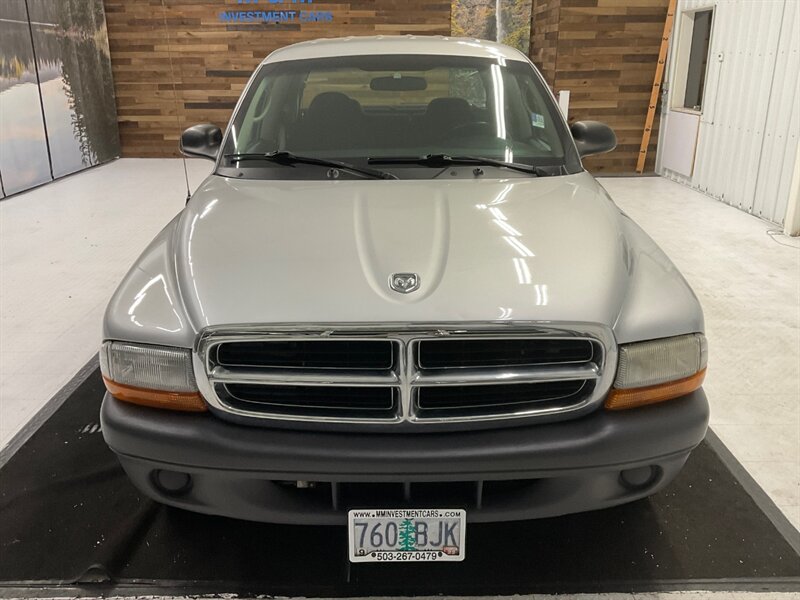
408 535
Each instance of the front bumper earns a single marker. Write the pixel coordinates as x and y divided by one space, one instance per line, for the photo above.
600 460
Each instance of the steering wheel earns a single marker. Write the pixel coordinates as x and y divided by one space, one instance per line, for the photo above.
469 129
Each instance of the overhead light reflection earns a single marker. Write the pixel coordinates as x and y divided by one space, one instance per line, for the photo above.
497 213
499 101
501 220
142 294
541 294
501 197
506 227
191 270
521 248
505 313
523 272
208 207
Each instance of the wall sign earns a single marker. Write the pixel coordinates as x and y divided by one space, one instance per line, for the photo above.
273 12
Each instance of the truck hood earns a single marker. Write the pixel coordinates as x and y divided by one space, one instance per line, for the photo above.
532 249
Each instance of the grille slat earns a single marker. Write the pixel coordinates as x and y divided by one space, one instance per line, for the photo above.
479 399
450 354
308 354
309 401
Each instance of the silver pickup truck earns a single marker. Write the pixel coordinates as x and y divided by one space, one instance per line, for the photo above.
399 302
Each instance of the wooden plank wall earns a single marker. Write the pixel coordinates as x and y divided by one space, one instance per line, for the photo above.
176 64
605 54
544 36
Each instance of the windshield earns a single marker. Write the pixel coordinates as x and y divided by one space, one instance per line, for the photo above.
357 108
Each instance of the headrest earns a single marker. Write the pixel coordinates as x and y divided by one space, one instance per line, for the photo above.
332 103
452 109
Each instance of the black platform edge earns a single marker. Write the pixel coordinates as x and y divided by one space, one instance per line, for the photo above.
182 589
44 413
755 491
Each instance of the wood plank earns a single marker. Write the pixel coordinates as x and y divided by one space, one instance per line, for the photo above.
194 68
604 52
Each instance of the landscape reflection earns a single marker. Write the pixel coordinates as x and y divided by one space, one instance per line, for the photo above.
75 91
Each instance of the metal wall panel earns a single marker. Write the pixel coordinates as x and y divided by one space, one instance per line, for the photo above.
750 124
782 127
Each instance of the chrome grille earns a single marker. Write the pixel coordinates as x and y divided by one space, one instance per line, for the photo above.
412 375
457 400
308 354
493 352
309 401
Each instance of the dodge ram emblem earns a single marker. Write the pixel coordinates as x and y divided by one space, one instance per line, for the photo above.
405 283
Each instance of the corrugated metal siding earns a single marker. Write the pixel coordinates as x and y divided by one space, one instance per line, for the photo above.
750 126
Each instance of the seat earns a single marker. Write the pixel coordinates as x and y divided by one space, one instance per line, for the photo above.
442 116
332 121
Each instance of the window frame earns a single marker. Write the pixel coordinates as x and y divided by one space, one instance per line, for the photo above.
683 51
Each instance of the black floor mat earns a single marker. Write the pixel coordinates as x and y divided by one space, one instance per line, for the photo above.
66 505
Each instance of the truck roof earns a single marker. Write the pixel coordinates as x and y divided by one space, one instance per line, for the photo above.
395 44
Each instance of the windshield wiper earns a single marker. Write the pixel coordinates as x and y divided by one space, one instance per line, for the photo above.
288 159
444 160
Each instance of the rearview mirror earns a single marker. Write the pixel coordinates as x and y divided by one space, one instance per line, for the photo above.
593 137
202 141
398 84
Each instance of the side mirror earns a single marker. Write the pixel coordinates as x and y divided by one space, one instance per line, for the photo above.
201 140
593 137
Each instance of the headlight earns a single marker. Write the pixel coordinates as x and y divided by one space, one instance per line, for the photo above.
658 370
154 376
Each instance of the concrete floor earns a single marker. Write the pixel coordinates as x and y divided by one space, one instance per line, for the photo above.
65 246
63 249
749 285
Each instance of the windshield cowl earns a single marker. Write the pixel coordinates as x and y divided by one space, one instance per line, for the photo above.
288 159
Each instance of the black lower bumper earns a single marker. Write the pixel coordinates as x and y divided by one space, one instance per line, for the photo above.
504 474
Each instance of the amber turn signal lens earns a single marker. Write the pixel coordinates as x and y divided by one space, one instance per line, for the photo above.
184 401
642 396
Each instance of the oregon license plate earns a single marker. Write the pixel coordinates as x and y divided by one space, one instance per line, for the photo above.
408 535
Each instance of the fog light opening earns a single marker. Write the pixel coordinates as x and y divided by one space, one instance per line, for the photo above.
171 483
640 478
